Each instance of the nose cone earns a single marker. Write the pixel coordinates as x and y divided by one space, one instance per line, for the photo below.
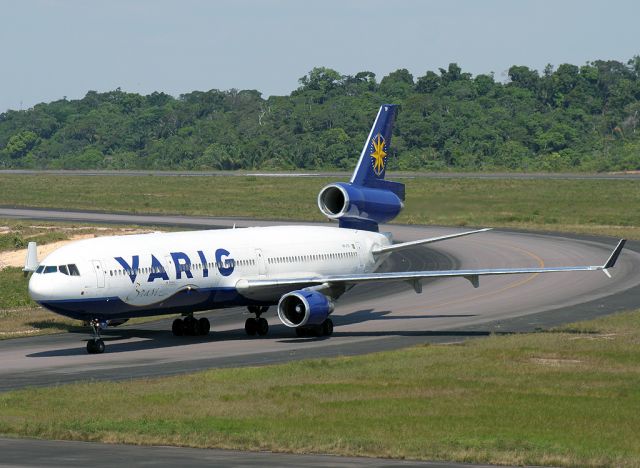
39 289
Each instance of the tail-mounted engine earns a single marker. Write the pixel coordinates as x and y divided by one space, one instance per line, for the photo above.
304 308
359 207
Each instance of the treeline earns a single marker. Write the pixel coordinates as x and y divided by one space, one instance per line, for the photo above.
569 118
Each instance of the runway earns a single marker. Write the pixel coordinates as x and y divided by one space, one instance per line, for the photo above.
45 453
367 319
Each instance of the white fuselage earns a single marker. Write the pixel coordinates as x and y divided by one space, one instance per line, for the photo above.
183 272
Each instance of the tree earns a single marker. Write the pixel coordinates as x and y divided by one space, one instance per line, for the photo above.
397 84
321 79
20 144
428 83
524 77
584 117
453 73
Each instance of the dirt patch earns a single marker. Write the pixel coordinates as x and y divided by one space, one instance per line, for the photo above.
15 258
599 336
555 362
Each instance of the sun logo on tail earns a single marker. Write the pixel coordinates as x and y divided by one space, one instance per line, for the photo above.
378 155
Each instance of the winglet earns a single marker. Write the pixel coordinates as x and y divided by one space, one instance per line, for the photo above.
614 255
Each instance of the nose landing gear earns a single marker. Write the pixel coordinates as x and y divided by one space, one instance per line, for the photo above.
95 345
257 325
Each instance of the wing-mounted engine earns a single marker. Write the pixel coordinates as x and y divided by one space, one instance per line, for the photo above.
304 308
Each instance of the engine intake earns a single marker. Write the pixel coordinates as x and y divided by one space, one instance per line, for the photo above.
304 308
344 201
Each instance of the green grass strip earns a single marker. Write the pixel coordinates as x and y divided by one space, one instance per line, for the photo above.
568 398
602 207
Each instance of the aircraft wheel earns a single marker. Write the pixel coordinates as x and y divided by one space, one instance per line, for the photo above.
190 326
262 326
251 326
327 327
204 326
178 327
95 346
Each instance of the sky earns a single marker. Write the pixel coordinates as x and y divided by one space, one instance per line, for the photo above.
50 49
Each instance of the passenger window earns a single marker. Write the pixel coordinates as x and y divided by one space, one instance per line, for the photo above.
63 269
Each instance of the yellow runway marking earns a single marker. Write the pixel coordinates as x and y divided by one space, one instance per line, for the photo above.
509 286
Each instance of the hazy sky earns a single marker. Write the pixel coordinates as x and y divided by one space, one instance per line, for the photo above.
55 48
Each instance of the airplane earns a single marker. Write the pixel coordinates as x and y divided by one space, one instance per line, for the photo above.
302 270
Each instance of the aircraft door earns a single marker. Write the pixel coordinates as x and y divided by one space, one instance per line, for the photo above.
360 254
98 268
262 270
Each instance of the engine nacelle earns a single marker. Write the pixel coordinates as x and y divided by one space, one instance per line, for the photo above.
303 308
345 201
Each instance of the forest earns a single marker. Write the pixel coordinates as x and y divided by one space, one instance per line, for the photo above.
565 118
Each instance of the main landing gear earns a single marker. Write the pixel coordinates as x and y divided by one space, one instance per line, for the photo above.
324 329
95 345
258 325
191 326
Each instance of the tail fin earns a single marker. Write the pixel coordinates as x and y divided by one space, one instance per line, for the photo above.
31 260
367 200
372 164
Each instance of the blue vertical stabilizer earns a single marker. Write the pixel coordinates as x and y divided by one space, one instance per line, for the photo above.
367 199
372 164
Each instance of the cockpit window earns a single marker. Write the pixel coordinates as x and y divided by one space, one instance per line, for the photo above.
63 269
73 270
40 268
50 269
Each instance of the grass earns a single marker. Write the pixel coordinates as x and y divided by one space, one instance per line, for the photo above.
600 207
569 397
16 234
17 323
19 315
13 285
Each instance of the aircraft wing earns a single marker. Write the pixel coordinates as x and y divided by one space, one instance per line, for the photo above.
257 286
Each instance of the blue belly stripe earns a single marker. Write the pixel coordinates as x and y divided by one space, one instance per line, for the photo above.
185 301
